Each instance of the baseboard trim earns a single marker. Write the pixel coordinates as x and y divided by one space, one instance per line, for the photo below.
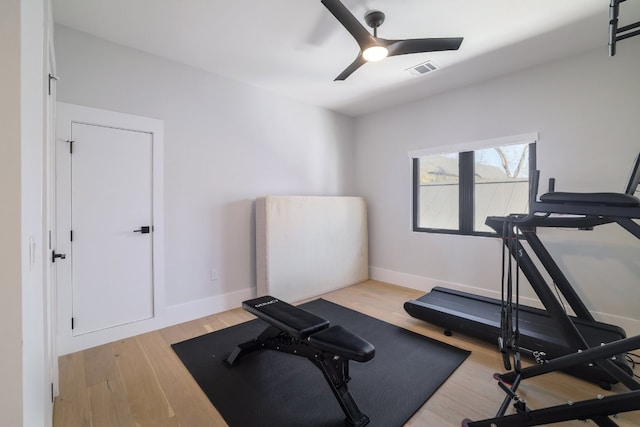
167 316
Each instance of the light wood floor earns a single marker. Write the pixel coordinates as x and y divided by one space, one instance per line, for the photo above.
140 382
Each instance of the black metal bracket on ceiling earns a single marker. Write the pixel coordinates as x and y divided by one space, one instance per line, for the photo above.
616 34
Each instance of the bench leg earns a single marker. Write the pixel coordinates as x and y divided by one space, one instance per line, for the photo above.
255 344
336 372
334 368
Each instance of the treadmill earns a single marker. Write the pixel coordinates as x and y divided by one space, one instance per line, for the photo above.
550 333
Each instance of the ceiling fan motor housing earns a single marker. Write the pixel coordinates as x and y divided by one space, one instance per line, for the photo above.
374 18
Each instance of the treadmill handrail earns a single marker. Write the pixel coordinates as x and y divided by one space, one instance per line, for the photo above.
596 211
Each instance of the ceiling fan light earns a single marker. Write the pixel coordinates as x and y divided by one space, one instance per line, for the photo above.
375 53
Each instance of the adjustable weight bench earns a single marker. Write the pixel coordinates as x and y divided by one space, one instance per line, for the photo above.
296 331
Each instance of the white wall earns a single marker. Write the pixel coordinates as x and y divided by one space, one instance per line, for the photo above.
226 143
24 395
586 109
10 223
36 379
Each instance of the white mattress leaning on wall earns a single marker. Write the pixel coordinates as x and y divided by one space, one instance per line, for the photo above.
309 245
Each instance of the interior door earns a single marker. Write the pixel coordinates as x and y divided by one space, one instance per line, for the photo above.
111 227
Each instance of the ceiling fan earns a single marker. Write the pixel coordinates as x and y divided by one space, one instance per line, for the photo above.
374 48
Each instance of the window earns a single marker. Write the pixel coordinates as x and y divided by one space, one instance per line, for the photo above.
454 192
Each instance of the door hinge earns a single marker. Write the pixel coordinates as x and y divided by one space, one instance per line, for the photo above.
51 77
51 392
71 235
72 323
55 256
70 141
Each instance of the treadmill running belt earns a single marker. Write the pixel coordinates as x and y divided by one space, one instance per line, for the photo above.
479 317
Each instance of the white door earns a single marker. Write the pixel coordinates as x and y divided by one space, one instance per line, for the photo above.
108 183
111 227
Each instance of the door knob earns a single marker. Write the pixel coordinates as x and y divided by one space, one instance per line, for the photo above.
145 229
54 255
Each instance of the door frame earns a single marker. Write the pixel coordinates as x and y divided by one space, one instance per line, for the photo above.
50 288
65 115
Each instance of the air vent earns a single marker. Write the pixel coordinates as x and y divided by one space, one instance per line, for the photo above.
422 69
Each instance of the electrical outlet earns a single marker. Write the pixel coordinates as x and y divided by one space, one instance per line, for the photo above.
213 275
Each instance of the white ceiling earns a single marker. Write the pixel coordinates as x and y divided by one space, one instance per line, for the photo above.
296 47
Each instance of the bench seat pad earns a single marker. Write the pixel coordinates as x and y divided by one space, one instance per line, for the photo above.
293 320
338 340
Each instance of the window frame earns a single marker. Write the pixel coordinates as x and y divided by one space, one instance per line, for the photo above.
466 191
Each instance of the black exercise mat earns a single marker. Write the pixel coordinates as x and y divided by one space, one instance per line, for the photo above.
268 388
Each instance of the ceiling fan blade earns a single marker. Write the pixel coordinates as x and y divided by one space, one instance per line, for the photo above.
403 47
349 22
351 68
